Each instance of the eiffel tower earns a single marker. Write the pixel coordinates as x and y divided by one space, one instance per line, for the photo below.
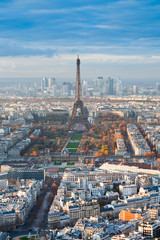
78 105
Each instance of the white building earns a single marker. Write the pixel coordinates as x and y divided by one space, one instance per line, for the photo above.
128 190
3 184
150 229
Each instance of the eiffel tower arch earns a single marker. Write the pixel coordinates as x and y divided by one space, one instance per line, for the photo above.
78 113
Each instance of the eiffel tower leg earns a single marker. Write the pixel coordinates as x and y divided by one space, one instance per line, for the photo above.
74 111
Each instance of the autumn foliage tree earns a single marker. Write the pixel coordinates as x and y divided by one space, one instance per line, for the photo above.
146 154
92 160
54 187
34 154
150 154
104 138
97 154
134 159
114 125
12 182
45 187
51 197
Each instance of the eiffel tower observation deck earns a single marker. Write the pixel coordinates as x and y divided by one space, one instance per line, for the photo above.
78 114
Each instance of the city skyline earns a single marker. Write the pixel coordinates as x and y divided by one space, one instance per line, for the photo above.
113 38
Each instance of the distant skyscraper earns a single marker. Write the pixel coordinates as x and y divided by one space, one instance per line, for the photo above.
44 83
51 82
65 89
110 86
135 90
157 86
119 87
105 88
98 83
54 91
84 88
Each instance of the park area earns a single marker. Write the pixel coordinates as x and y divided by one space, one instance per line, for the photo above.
76 137
24 238
73 145
74 142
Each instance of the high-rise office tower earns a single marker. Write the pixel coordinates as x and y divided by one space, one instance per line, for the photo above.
98 84
54 91
157 86
119 87
105 89
51 82
65 89
44 83
84 88
110 86
135 90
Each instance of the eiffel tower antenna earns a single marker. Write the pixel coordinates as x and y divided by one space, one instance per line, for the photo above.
78 81
78 104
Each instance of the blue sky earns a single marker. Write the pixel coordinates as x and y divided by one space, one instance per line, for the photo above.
116 38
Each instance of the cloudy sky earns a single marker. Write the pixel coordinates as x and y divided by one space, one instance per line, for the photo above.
113 38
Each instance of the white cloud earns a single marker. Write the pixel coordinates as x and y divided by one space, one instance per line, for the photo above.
64 10
126 59
107 27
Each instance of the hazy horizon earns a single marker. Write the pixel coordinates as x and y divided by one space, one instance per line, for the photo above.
127 82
